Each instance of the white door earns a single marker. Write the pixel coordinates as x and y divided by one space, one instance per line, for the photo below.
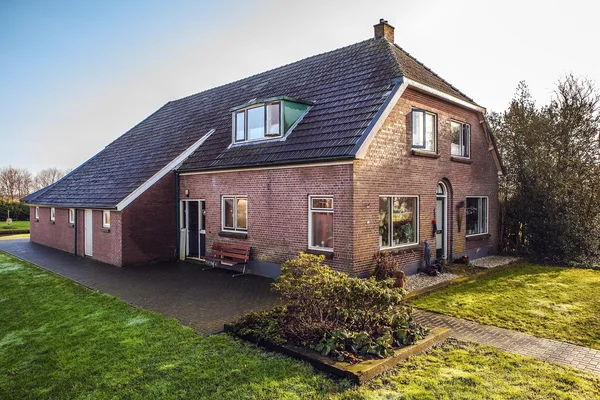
89 233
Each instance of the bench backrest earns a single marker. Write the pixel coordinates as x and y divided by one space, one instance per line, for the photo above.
233 251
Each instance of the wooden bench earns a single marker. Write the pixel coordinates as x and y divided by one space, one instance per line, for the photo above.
229 254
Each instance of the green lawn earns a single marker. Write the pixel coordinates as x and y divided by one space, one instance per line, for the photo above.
59 340
15 225
553 302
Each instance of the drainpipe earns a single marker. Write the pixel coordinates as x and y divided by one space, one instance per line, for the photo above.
75 230
177 234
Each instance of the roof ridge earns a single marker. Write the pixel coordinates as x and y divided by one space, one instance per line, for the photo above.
271 70
432 72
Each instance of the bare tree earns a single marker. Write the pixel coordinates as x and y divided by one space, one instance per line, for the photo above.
48 176
14 183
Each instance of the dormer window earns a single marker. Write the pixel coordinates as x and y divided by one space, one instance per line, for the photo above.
258 123
266 119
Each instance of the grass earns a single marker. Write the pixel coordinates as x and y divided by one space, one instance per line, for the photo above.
15 225
552 302
59 340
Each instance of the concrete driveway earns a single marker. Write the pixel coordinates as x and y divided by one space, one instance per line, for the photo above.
203 300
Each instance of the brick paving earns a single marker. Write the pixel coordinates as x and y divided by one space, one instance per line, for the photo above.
203 300
514 342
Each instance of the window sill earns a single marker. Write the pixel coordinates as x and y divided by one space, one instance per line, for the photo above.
475 238
424 153
234 235
321 252
52 222
402 249
37 220
71 225
461 159
107 230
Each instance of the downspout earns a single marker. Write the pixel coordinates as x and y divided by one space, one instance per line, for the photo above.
177 223
75 229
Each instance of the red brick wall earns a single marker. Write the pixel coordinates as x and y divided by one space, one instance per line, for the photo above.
60 234
149 224
278 208
106 241
389 168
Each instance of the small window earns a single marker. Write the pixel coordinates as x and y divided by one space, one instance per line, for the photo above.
477 215
37 213
398 221
424 130
71 215
320 223
106 219
52 214
235 213
256 123
461 139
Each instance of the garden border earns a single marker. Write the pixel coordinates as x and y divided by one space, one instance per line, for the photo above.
359 373
8 232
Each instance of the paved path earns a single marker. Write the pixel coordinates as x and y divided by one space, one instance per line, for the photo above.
203 300
514 342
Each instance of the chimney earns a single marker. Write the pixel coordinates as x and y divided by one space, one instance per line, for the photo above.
384 30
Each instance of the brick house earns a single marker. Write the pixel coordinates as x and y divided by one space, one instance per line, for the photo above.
350 152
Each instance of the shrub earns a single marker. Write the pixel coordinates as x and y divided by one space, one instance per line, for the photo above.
262 325
386 265
18 211
341 316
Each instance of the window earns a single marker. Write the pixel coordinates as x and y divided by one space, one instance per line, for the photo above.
258 123
424 129
52 214
235 213
37 213
398 221
461 139
320 223
71 215
477 215
106 219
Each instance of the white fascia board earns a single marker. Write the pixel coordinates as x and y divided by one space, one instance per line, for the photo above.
165 170
437 93
396 94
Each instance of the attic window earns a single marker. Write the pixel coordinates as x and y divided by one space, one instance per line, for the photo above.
265 119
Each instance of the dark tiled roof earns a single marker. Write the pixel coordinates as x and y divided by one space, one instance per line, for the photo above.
347 86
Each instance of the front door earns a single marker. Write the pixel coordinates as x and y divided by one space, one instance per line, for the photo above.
193 221
441 237
88 232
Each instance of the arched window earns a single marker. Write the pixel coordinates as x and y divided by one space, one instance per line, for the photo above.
441 189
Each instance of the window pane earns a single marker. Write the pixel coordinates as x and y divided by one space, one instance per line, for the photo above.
466 143
476 215
256 123
322 203
404 225
430 132
273 116
322 229
228 211
239 126
384 222
242 214
455 130
417 118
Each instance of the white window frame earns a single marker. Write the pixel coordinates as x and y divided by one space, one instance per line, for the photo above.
487 216
417 238
72 216
461 137
52 214
310 219
104 219
435 130
235 199
266 135
37 213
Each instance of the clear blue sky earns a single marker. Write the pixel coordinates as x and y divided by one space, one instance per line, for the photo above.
74 75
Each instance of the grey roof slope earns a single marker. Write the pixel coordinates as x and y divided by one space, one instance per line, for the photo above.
348 86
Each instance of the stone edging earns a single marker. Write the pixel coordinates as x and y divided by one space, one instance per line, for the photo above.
361 372
9 232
